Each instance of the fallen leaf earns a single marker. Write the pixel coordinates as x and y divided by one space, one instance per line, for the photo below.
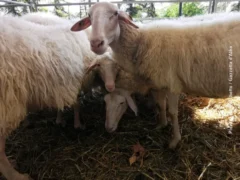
141 162
137 148
132 159
138 154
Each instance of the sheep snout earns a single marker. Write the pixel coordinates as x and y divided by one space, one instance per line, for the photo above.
98 46
110 87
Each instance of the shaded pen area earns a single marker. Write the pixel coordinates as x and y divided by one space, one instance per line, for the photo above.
209 149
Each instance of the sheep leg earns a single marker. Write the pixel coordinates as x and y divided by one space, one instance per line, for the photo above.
160 98
173 111
5 167
59 119
77 121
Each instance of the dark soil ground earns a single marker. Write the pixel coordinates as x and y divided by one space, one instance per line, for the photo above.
207 151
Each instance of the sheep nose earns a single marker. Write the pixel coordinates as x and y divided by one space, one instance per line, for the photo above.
110 87
97 43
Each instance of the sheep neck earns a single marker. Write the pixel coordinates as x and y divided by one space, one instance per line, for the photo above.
125 46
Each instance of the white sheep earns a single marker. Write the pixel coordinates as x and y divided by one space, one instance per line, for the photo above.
190 57
49 19
127 84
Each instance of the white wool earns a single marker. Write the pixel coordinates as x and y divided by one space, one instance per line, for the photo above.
199 20
42 65
45 18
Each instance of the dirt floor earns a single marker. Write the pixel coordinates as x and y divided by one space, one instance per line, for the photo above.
209 149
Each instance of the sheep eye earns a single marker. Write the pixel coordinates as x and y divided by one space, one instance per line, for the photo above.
121 103
116 13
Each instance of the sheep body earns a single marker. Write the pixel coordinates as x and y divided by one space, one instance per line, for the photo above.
48 19
41 67
184 53
134 84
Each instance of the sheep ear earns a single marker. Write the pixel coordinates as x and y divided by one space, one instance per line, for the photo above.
132 104
126 18
82 24
130 100
92 65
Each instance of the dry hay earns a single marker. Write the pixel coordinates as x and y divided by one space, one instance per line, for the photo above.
206 151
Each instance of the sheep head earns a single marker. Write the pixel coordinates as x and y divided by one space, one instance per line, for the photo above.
107 70
116 105
104 18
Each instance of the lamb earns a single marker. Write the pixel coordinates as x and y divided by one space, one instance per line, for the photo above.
42 67
171 56
103 68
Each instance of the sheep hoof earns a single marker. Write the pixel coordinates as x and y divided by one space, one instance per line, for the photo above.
13 163
58 123
63 124
26 177
22 177
80 126
161 125
174 143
